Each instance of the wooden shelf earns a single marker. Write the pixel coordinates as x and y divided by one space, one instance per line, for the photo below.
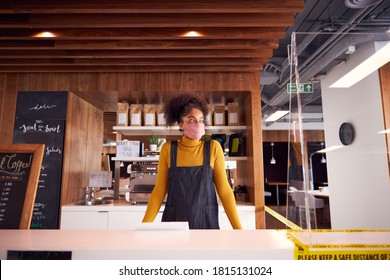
134 159
162 130
235 158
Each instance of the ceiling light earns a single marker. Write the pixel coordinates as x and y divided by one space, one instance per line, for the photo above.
272 161
277 115
374 56
384 131
350 50
323 159
45 34
192 34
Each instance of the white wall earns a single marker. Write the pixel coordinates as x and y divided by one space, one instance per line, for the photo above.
358 174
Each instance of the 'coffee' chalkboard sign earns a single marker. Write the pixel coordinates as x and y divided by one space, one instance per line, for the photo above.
20 166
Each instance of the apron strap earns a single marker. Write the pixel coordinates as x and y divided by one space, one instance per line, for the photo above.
173 153
206 157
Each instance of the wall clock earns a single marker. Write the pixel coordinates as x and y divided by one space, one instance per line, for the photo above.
346 133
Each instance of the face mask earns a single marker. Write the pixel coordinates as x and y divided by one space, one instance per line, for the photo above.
193 130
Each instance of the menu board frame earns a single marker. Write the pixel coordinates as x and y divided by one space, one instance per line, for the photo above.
37 151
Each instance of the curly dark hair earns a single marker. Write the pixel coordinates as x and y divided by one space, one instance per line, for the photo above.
176 107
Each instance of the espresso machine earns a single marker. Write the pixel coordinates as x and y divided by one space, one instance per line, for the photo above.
143 177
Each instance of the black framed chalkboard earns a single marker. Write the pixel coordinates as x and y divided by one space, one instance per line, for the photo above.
50 133
40 119
20 166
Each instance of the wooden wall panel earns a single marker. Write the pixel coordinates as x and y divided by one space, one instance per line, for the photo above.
83 145
8 107
94 138
254 166
2 104
275 135
73 169
282 135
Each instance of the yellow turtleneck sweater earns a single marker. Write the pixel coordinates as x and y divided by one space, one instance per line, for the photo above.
190 153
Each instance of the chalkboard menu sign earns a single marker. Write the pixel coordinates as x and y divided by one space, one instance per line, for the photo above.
41 105
40 119
19 172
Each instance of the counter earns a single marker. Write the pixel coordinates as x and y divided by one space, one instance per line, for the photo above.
153 244
170 244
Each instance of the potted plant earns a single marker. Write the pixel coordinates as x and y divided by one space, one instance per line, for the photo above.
154 142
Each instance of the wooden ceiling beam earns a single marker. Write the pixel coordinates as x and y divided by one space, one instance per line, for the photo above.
145 33
137 44
134 62
151 6
258 53
90 69
142 36
191 21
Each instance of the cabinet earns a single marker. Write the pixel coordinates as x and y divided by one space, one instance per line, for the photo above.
84 220
124 216
115 220
117 216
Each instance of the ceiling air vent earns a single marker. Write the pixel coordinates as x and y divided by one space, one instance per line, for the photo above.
359 4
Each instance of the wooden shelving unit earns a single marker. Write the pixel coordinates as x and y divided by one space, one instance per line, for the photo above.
163 131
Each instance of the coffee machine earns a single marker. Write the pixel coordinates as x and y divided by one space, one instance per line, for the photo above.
143 177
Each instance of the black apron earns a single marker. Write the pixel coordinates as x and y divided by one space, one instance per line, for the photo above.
191 193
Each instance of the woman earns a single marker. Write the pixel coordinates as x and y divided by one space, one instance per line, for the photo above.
188 170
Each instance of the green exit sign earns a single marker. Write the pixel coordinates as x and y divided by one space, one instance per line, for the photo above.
303 88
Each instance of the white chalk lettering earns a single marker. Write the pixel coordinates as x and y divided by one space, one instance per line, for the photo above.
42 107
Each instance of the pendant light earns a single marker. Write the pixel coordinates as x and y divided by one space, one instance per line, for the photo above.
323 159
273 161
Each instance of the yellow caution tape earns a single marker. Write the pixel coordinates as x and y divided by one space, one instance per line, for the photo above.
340 251
342 254
279 217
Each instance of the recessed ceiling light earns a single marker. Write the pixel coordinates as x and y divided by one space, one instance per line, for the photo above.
277 115
45 34
192 34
